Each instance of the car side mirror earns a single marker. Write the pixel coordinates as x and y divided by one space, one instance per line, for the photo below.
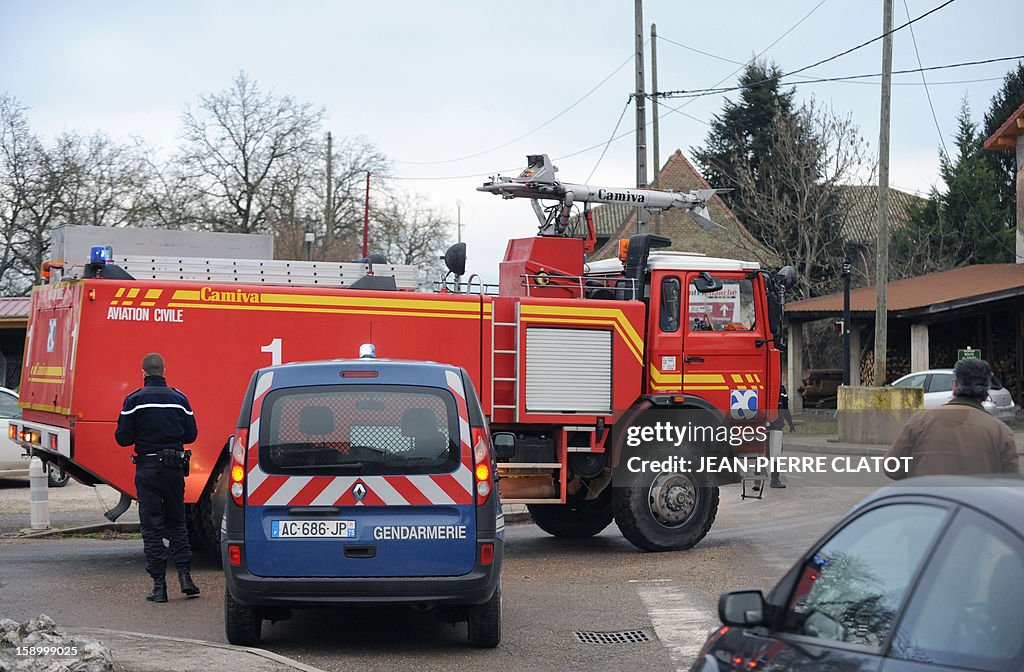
504 445
705 284
741 608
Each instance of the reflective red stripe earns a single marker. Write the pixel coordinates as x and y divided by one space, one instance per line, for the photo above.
407 490
453 489
265 490
308 493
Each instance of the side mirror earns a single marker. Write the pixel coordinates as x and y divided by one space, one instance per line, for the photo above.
705 284
504 445
741 608
788 276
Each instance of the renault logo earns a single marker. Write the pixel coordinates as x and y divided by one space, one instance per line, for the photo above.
359 492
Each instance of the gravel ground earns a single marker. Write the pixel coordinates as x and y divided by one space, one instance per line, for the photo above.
70 506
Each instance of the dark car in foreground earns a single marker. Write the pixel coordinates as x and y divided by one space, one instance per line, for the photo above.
924 575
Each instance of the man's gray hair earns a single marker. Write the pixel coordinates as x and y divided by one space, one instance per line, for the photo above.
973 378
153 364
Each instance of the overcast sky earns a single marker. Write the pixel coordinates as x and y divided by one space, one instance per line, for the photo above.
430 83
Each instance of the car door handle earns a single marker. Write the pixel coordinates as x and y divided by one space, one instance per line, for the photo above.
360 551
691 360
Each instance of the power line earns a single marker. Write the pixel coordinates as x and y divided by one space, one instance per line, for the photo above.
871 41
700 93
677 110
713 89
758 55
694 95
614 131
528 133
812 80
945 151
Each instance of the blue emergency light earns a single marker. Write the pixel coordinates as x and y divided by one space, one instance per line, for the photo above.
100 254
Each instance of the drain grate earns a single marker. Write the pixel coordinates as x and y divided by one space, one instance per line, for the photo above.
620 637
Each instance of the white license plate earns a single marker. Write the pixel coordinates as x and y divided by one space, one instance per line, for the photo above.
312 529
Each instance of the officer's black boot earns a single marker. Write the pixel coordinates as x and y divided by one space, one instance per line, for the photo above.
159 593
777 481
188 586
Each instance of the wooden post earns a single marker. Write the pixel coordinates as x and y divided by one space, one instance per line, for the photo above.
641 117
882 247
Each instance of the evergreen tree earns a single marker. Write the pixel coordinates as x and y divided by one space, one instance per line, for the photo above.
1005 103
743 136
966 224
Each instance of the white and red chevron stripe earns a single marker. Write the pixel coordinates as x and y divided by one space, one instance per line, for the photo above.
265 489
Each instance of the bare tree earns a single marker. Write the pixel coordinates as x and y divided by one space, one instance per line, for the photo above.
408 232
235 144
20 182
101 182
351 159
79 180
795 195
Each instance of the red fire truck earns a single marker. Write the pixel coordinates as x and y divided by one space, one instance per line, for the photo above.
563 352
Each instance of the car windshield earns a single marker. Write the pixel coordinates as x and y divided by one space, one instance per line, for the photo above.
359 429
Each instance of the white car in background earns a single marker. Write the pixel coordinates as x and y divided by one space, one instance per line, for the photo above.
13 460
938 389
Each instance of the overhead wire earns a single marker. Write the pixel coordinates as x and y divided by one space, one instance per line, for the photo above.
945 151
700 93
528 133
614 131
812 80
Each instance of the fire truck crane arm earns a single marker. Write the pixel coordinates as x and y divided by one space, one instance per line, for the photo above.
537 182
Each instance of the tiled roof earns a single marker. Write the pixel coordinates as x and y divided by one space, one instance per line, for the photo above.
931 293
1006 135
14 306
619 221
860 225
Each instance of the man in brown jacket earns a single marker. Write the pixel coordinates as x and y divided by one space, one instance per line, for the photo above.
959 437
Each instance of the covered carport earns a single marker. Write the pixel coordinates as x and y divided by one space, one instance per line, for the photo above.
930 318
13 323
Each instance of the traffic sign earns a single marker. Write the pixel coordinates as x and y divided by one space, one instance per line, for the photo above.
968 353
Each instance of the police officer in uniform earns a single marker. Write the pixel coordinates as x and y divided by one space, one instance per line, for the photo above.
158 420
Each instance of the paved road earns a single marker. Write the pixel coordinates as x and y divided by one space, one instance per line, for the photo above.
552 588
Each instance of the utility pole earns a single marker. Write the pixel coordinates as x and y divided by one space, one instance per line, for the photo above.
641 118
458 219
308 223
654 120
329 205
882 251
847 267
366 220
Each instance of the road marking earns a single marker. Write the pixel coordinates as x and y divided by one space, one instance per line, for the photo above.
680 626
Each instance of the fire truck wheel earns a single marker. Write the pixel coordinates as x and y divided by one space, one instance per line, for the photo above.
484 621
666 512
203 517
54 478
575 519
243 625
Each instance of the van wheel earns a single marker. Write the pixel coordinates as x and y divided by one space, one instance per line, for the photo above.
242 624
54 478
576 519
665 511
484 621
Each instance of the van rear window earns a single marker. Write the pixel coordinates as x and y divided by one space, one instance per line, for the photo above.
359 429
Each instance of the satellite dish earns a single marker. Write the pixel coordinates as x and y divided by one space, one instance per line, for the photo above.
455 259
